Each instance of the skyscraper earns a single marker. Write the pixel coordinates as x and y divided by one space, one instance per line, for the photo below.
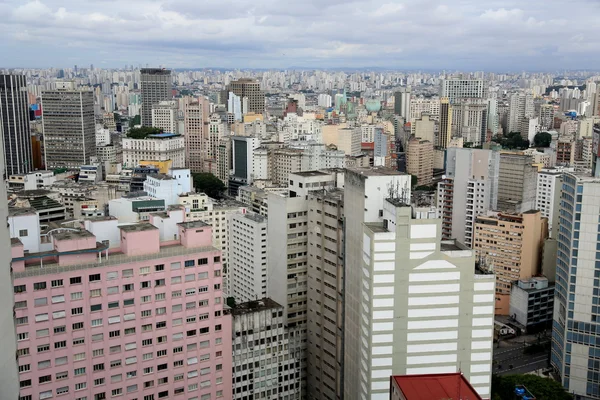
250 89
575 346
14 124
456 88
445 132
402 102
69 128
155 84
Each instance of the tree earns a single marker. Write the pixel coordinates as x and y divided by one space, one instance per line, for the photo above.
503 387
208 183
542 139
137 120
512 140
143 132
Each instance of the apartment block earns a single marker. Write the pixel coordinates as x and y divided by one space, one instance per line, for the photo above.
416 304
250 90
264 367
516 183
469 188
195 126
532 303
164 116
547 195
144 319
325 293
419 160
158 147
512 244
248 256
155 85
575 348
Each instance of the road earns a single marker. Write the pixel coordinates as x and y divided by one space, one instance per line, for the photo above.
522 363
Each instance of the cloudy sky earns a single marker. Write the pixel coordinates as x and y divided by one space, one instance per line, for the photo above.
496 35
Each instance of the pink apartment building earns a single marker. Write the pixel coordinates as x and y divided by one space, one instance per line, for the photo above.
141 320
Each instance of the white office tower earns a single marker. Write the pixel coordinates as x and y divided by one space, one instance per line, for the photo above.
492 116
547 194
575 347
519 105
247 256
457 88
234 106
324 100
9 379
469 189
288 251
414 303
164 116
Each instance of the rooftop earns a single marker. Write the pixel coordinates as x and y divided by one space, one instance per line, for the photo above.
254 306
161 177
16 211
436 387
255 217
310 173
375 171
165 135
452 245
33 193
70 235
138 227
193 224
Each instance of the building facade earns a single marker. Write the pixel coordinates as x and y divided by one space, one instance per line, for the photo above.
250 89
155 85
14 124
147 321
159 147
69 128
419 160
516 183
164 116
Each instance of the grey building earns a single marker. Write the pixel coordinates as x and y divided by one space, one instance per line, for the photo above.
402 102
532 303
155 85
249 89
14 124
325 294
9 379
69 128
457 88
575 346
264 365
517 183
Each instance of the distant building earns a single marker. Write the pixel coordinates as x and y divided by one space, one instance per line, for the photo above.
402 103
14 124
164 116
250 89
457 88
155 84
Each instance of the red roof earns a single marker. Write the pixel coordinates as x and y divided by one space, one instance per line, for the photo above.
367 145
436 387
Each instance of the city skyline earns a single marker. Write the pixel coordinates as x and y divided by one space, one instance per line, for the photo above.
469 35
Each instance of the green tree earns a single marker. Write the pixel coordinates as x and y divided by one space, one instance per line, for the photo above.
542 139
143 132
137 120
503 387
209 184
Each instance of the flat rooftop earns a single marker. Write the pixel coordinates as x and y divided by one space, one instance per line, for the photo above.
138 227
193 224
436 387
254 306
310 173
255 217
375 171
16 211
70 235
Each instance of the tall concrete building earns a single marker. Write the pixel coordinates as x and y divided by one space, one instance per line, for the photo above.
69 128
458 88
155 85
516 183
195 127
146 321
546 117
160 147
424 128
414 303
247 260
445 130
250 89
164 116
9 368
519 105
547 196
492 116
14 124
325 294
470 120
402 102
469 188
419 160
575 348
512 244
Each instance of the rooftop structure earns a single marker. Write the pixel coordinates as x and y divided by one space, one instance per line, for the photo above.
432 387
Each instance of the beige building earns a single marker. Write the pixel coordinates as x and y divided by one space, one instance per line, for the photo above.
249 89
419 160
195 118
445 131
325 291
346 139
516 183
513 244
424 128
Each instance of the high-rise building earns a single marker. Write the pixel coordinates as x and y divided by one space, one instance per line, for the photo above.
158 147
512 244
69 128
148 318
325 294
414 303
469 188
470 120
242 156
424 128
457 88
9 368
194 131
164 116
402 102
14 124
265 365
575 349
155 85
234 106
546 117
247 260
547 196
419 160
519 105
516 183
445 131
250 89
